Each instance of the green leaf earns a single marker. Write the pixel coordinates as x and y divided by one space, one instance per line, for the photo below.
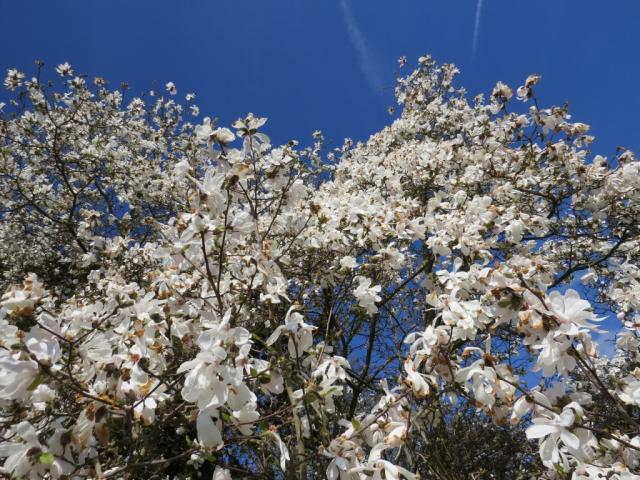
356 423
46 458
310 397
36 381
505 303
209 457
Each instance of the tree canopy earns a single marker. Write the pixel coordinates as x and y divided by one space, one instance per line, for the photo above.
185 300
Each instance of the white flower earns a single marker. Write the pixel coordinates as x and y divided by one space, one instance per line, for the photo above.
245 417
171 88
209 430
221 474
182 168
284 451
248 125
502 92
554 356
223 135
13 79
367 295
207 133
333 368
21 300
422 344
77 82
631 392
64 69
556 427
18 301
41 395
18 461
416 380
515 230
483 382
16 376
44 346
376 463
523 405
572 312
348 262
525 92
300 333
202 384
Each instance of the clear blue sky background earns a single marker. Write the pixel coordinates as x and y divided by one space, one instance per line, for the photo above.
331 64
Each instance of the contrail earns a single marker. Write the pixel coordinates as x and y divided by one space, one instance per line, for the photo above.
476 29
367 63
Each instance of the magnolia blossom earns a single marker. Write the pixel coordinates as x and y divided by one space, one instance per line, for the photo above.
206 300
631 392
171 88
64 69
282 448
417 381
21 454
17 377
221 474
554 427
367 295
299 333
555 355
209 429
572 312
348 262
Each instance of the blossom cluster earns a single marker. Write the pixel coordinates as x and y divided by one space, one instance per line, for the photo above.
192 299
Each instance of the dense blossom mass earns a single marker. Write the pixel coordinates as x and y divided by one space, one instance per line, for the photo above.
184 300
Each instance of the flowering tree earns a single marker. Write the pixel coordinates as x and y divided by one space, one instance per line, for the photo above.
188 300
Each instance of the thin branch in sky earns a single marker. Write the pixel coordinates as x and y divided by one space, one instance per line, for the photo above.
361 47
476 28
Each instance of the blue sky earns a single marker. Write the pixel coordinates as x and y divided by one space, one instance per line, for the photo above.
331 64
